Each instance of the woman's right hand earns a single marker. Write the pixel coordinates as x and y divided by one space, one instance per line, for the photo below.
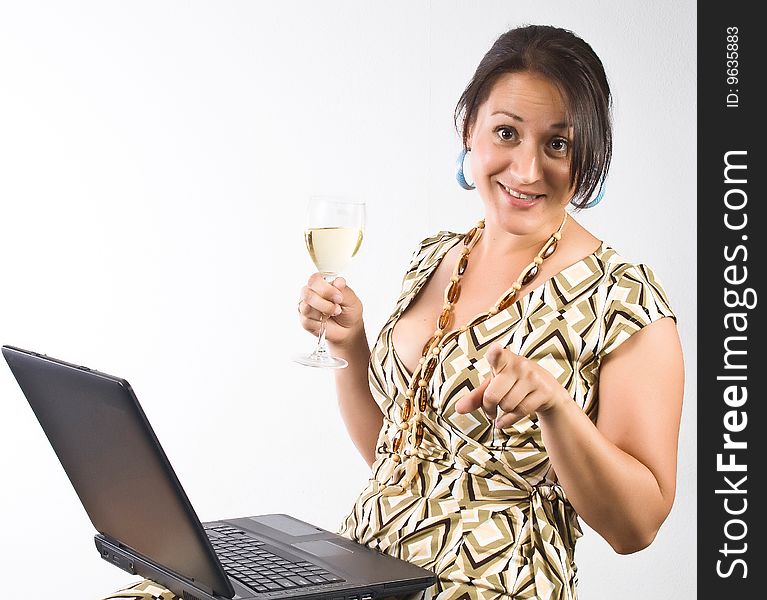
338 302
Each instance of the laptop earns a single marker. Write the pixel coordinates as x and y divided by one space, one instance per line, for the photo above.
146 524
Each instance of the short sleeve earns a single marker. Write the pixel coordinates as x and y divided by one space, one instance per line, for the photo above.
635 299
428 253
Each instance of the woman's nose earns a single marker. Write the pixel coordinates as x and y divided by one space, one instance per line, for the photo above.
526 164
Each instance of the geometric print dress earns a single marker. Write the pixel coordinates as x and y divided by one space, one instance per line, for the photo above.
484 511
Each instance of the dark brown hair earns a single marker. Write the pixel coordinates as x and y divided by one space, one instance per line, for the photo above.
575 69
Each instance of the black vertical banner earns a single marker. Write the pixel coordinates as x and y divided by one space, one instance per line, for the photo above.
731 267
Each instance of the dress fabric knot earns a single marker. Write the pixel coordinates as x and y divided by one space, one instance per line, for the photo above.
553 531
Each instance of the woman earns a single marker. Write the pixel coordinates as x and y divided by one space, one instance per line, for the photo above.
550 382
551 379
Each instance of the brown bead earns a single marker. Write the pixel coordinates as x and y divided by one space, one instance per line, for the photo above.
530 275
407 410
453 292
428 369
463 262
397 443
418 433
444 319
427 345
423 397
507 299
551 246
469 236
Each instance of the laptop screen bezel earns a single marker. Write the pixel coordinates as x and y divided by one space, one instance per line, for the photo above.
39 375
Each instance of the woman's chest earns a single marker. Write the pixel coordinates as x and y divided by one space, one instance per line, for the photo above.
419 322
477 292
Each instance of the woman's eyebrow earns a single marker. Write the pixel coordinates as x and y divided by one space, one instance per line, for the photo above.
511 115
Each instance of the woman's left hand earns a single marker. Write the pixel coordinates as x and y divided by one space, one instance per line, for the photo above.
517 387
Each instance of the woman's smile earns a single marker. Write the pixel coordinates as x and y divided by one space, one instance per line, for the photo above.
518 198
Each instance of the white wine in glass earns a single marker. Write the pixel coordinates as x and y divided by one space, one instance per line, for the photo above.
333 236
331 248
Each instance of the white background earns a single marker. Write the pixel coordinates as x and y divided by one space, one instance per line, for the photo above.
155 160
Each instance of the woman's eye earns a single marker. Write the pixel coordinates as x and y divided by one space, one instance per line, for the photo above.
559 145
506 133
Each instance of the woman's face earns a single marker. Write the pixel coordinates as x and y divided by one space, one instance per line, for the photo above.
520 154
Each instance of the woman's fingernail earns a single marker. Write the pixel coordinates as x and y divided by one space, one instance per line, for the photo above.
338 298
337 311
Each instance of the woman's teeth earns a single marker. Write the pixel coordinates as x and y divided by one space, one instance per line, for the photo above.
519 195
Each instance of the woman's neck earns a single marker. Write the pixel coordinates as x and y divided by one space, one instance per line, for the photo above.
497 243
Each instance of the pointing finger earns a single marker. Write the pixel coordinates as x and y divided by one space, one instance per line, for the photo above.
473 400
498 358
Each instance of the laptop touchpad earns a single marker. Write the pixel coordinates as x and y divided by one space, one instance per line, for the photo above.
287 525
322 548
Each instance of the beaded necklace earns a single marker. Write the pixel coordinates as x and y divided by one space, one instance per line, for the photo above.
416 397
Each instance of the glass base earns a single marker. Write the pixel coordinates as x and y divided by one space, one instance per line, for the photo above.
321 361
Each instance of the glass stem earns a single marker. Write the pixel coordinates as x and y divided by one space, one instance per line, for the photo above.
322 345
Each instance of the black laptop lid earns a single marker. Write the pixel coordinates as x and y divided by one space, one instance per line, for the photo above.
116 465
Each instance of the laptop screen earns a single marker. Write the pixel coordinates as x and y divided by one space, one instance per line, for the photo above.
116 465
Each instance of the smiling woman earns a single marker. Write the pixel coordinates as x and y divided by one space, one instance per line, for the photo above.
551 383
528 375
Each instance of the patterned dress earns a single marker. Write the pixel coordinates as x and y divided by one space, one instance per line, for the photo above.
485 512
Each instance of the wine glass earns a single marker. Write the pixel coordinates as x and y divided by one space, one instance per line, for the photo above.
333 236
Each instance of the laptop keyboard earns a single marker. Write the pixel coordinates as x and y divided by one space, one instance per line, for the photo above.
249 561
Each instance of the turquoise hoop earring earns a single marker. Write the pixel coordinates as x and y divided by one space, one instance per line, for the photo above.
459 176
596 199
